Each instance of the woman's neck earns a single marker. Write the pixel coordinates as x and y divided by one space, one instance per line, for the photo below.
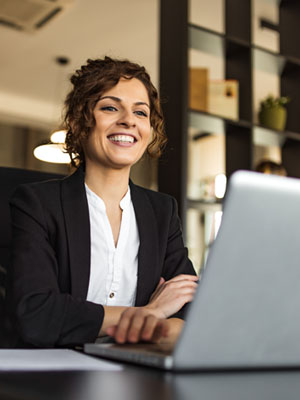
109 184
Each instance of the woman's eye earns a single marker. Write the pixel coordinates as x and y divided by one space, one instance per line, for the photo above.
108 108
142 113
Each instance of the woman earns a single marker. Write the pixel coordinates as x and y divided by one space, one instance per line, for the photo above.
93 254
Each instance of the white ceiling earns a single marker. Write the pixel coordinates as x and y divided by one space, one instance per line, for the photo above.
32 85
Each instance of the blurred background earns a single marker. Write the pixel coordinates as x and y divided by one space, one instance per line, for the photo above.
36 62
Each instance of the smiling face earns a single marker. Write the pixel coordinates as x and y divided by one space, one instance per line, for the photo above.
122 126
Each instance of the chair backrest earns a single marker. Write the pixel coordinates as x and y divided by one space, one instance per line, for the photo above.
10 178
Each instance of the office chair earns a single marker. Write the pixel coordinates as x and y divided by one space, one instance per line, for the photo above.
10 178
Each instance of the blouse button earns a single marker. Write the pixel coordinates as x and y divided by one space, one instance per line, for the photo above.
111 295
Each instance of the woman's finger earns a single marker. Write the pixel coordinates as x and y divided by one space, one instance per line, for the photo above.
111 330
149 327
158 289
123 325
136 327
180 284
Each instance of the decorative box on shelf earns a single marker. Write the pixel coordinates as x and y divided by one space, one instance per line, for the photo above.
219 97
223 98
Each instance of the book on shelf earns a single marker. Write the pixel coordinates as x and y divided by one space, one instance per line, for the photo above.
198 89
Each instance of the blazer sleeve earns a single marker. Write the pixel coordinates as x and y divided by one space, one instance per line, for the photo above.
45 316
176 257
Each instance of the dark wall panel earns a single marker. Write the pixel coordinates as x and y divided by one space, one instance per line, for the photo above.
238 66
289 27
238 145
173 89
237 19
290 86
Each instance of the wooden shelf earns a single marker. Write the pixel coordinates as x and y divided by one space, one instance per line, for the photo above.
207 40
242 59
217 120
205 205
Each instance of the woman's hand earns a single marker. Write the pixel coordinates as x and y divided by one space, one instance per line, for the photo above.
170 296
149 323
139 324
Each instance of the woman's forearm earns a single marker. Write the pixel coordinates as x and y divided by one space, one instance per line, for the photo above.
112 315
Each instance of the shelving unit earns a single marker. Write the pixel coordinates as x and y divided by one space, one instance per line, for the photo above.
239 58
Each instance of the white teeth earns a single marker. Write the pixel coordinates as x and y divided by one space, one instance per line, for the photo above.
121 138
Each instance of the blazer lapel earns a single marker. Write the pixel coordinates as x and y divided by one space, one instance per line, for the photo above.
148 251
77 222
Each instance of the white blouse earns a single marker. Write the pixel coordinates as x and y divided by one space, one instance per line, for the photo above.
113 270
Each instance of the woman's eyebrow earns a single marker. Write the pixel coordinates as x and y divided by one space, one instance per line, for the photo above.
138 103
112 98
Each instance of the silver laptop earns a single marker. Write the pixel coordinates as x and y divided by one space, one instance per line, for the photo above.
246 312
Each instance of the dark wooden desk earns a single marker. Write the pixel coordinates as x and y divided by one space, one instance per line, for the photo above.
142 384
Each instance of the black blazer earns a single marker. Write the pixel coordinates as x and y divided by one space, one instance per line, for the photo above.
50 263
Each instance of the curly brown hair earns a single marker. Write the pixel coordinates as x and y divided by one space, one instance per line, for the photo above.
89 83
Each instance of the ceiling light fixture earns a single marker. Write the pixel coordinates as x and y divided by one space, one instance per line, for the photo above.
58 136
52 152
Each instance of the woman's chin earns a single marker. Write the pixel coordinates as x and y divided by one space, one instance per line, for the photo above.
124 162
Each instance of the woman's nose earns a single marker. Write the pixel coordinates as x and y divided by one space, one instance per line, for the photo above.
127 119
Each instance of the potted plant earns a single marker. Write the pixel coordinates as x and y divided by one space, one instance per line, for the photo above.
272 112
